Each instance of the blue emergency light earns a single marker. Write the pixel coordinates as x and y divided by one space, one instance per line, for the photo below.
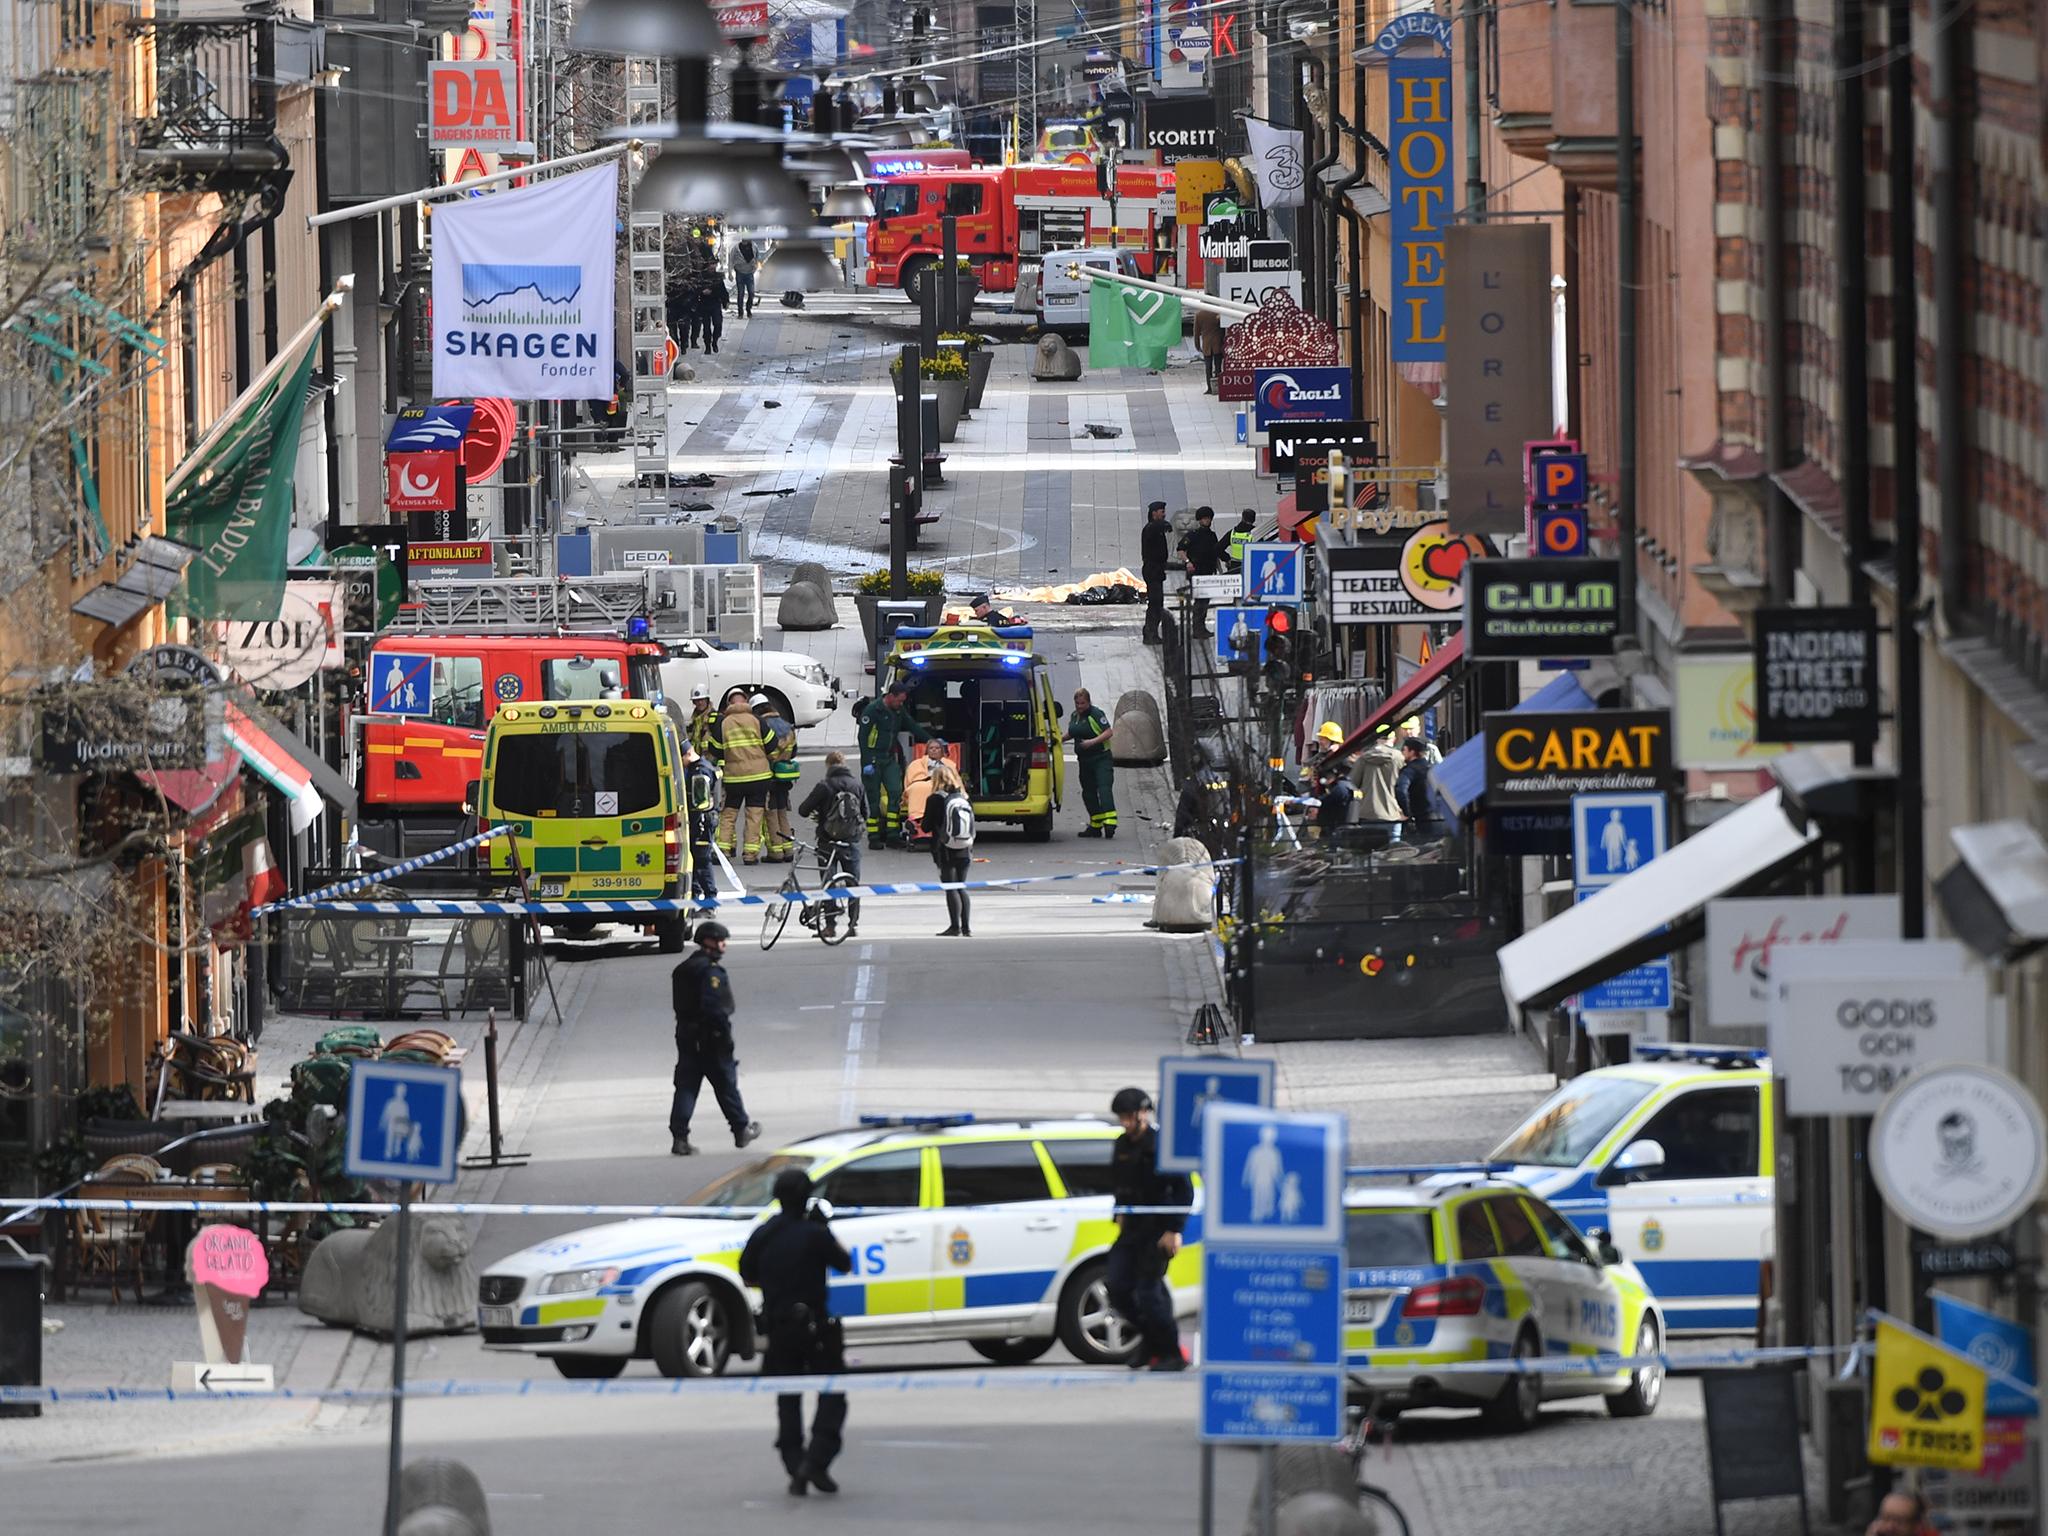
890 1122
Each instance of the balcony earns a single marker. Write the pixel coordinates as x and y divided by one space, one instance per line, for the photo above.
215 126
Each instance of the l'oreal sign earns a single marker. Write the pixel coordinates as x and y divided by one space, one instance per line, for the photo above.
1300 394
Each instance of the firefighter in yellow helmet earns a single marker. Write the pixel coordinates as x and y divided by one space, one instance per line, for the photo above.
747 776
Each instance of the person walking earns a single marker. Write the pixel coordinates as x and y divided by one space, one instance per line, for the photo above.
840 807
788 1260
1209 342
745 263
1203 554
1089 730
702 997
746 775
1145 1243
700 797
951 817
1377 768
715 300
1411 790
779 844
1152 563
882 725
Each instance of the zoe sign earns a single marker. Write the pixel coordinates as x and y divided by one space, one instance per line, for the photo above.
285 651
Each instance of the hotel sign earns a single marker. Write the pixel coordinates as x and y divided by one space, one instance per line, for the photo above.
1419 96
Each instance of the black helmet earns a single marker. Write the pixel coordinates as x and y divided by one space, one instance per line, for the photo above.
711 931
1129 1101
793 1189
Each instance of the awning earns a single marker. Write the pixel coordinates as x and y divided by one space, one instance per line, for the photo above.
1434 675
286 763
1637 918
1460 779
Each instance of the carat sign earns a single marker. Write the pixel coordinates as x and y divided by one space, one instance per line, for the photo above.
474 105
1300 394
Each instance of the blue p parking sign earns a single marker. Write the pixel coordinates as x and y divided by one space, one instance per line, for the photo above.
402 1122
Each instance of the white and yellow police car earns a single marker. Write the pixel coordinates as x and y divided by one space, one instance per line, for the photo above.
1469 1268
991 1233
1670 1156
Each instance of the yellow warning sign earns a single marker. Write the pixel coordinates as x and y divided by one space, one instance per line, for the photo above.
1926 1403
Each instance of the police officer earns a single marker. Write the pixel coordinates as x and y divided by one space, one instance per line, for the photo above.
881 761
1240 543
1152 563
1090 732
786 1260
704 1046
1145 1243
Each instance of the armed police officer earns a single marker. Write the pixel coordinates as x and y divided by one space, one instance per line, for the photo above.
787 1260
704 1047
1146 1240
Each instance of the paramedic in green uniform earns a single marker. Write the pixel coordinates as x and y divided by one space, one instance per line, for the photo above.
882 723
1089 730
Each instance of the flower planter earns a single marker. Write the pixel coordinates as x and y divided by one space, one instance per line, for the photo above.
979 361
934 608
952 395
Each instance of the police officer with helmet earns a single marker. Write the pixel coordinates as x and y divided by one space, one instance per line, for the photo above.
1146 1240
787 1260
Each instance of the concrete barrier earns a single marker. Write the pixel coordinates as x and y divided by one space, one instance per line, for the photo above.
805 606
1138 742
1315 1493
814 573
438 1497
1184 900
1136 698
1054 360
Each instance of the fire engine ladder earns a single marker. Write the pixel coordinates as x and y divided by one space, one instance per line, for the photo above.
647 263
525 604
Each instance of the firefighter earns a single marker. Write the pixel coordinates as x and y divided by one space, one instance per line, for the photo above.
882 724
746 775
1089 730
703 727
780 844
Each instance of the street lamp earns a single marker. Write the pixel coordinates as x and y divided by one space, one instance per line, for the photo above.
712 173
662 29
800 266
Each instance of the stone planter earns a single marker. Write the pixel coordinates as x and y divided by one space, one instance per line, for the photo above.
979 362
952 395
934 607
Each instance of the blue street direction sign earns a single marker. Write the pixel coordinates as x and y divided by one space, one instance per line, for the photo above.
1272 1178
402 1122
1272 1306
1267 1407
1190 1084
1223 624
1272 573
402 684
1645 988
1614 835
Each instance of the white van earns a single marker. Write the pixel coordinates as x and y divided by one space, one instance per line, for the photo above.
1063 299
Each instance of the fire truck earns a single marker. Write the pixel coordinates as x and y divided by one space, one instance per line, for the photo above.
1009 215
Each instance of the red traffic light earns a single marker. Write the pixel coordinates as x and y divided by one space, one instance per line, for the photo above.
1279 620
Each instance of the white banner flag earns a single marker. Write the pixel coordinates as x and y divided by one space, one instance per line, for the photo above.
1276 164
523 291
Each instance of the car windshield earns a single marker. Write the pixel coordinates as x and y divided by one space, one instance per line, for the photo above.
752 1187
576 773
1568 1125
893 201
1387 1239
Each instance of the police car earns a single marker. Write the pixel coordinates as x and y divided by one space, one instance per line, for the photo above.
1469 1268
1669 1156
991 1233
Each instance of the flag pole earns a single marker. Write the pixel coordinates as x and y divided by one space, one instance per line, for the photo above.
463 188
1189 296
286 356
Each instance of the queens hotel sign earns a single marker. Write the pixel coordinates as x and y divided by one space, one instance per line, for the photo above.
1417 50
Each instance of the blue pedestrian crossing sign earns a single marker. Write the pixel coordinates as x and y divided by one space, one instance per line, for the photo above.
1190 1084
1270 1178
401 684
402 1122
1272 573
1614 835
1227 623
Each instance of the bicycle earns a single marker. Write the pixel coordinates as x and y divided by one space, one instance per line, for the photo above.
1364 1430
825 918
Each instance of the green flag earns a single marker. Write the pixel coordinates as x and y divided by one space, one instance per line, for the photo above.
1131 327
232 501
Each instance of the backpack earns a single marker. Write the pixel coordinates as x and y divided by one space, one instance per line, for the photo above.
843 821
959 823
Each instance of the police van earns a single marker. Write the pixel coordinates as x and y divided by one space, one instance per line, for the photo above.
1470 1268
991 1233
1669 1155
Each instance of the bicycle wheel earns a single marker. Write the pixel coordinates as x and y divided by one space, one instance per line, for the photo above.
775 915
1386 1514
832 915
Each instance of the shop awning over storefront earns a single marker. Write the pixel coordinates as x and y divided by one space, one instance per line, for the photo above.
1460 779
1419 692
1639 917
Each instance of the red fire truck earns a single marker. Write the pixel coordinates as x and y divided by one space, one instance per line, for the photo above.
1014 213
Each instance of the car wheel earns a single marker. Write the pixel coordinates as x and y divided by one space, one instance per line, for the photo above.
690 1332
1038 829
1521 1395
1094 1332
1010 1351
669 932
1645 1383
589 1367
780 701
912 280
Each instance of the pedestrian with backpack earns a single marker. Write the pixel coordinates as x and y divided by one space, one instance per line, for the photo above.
840 807
951 816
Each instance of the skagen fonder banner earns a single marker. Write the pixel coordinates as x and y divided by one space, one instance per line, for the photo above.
523 291
1496 369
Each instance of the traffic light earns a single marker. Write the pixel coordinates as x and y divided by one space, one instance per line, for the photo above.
1280 647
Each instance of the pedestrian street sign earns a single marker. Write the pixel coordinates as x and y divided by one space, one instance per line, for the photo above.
1224 624
1272 573
401 684
1614 835
1272 1178
402 1122
1641 989
1190 1084
1214 589
1251 1407
1272 1306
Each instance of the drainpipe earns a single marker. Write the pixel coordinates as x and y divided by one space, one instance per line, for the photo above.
1907 742
1475 179
1627 274
1314 258
1782 517
1352 280
1332 196
1952 45
1852 322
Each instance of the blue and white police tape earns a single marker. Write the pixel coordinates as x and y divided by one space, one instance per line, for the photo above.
650 906
467 1208
382 876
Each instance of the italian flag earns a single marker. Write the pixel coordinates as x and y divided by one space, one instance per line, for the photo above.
236 873
278 768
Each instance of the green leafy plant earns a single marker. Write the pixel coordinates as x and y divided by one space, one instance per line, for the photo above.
922 584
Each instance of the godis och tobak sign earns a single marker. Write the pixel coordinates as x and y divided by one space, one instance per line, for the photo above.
1535 758
1417 49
